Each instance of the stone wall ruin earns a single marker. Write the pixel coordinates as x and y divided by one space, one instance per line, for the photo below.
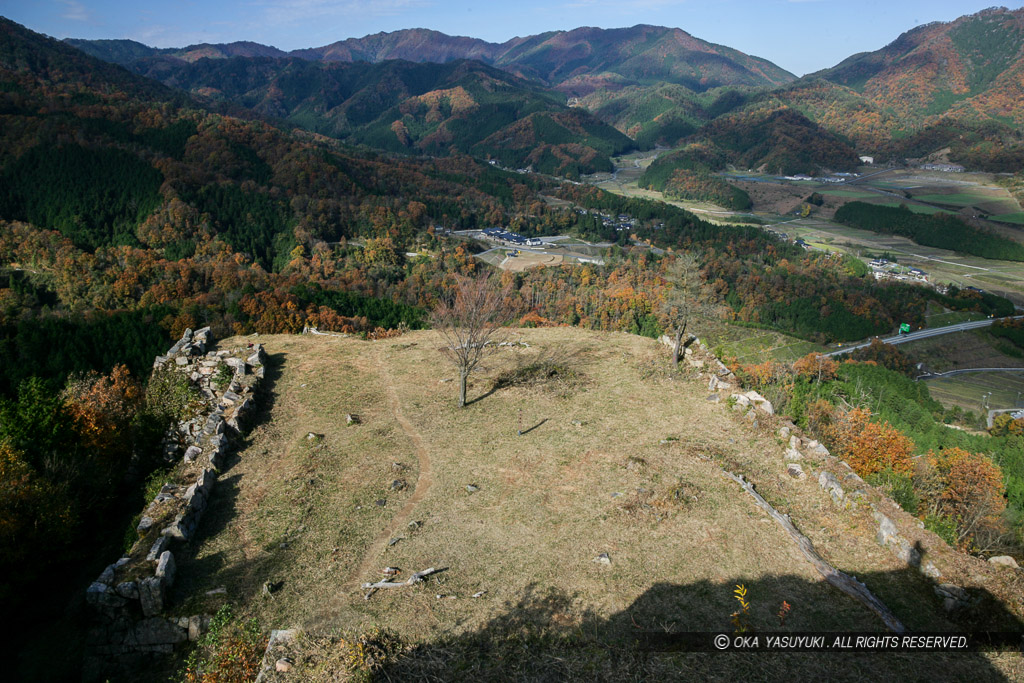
128 599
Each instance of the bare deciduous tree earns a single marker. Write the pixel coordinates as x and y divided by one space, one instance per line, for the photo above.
472 321
684 299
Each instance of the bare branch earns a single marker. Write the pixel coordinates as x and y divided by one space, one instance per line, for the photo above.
414 579
472 322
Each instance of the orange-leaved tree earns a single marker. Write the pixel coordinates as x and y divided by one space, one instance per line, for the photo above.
816 366
870 447
102 408
967 488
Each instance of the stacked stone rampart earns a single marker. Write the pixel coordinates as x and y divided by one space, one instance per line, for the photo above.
128 599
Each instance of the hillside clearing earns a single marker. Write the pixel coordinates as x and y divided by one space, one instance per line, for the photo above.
618 455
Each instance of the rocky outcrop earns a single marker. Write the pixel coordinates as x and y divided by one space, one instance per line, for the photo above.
129 597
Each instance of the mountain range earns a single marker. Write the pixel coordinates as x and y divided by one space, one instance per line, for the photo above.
943 90
576 62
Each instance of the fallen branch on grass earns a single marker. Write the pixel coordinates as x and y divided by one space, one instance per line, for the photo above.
412 580
840 580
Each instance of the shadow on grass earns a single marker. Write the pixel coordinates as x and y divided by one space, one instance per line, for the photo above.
220 514
547 635
527 431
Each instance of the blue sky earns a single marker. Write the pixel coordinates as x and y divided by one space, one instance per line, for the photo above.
799 35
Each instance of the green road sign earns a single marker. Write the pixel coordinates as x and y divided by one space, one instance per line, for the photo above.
904 327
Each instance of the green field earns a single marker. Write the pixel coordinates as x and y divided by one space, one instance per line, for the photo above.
846 193
957 198
937 316
1016 218
751 346
916 208
967 390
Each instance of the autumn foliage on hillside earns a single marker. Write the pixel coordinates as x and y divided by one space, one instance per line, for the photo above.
966 487
870 447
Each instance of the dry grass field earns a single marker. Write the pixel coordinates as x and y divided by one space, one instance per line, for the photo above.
528 259
618 455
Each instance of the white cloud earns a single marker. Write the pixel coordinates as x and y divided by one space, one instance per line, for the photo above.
74 11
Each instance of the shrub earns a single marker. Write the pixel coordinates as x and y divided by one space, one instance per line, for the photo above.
230 652
816 366
870 447
968 488
171 396
369 652
899 487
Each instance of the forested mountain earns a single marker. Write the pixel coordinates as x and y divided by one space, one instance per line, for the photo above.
575 62
955 85
779 141
424 108
947 89
414 91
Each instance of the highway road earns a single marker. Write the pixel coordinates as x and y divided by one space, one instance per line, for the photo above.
951 373
923 334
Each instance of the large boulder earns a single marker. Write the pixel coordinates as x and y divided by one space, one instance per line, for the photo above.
1004 561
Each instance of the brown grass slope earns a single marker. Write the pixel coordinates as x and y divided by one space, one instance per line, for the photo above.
618 454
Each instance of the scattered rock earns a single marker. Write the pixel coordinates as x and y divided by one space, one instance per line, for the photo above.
793 455
828 481
271 587
795 471
284 665
953 596
391 571
603 558
887 531
815 448
472 488
313 436
713 398
380 502
397 467
577 423
352 419
398 485
930 570
784 432
1004 561
635 464
196 626
415 524
219 590
394 541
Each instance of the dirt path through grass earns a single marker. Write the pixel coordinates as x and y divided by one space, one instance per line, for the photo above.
423 481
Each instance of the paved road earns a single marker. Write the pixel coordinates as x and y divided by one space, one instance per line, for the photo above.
950 373
923 334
